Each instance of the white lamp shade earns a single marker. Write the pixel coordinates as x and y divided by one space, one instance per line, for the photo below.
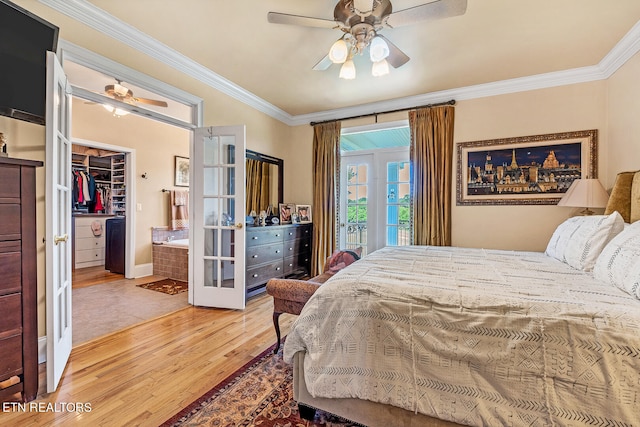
339 52
380 68
116 111
378 49
585 193
348 70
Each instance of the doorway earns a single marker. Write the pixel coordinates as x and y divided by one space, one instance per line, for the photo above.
375 199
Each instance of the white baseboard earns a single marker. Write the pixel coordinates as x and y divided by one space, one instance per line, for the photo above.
142 270
42 349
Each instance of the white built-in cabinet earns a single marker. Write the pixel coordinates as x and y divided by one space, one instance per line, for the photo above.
89 240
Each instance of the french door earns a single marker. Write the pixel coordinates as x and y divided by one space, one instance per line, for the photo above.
217 211
375 199
58 240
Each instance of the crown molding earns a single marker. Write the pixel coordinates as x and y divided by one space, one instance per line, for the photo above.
99 20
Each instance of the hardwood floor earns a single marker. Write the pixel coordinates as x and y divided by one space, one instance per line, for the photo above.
145 374
83 277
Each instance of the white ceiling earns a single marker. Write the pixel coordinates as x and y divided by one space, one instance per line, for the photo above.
495 40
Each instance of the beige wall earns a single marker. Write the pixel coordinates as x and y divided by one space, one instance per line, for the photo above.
623 150
609 106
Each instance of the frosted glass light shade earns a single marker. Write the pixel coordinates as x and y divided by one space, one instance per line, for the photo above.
115 111
339 52
348 70
380 68
378 49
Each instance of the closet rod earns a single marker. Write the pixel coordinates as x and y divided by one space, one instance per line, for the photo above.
451 102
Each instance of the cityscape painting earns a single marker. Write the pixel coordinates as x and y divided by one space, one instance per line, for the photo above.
524 170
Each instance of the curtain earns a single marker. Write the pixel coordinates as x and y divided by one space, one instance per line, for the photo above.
258 186
432 160
326 177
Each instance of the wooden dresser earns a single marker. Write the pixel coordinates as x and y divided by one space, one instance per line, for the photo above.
18 287
276 251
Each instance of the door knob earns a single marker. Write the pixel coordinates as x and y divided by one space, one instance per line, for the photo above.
239 225
58 239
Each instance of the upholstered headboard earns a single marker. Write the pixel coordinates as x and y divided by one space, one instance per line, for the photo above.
625 196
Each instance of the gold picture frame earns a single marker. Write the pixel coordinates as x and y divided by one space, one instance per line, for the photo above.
528 170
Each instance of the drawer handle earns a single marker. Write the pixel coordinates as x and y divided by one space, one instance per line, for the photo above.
291 265
58 239
290 249
254 256
277 251
277 235
277 268
290 233
255 275
254 238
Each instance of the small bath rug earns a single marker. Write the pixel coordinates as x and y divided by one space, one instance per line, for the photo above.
167 286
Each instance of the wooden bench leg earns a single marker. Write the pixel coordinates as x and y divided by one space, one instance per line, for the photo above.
276 324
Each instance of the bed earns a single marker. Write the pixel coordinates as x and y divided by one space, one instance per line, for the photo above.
414 336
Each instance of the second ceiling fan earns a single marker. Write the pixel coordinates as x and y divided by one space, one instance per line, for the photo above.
361 22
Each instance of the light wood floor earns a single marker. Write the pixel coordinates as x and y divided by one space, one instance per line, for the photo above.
89 276
145 374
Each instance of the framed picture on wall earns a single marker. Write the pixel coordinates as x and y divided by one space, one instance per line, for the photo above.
304 213
181 178
527 170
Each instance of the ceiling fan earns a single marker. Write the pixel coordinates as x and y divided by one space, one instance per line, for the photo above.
123 94
361 21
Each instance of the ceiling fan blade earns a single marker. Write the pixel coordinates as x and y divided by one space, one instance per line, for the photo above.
396 58
305 21
151 102
323 64
438 9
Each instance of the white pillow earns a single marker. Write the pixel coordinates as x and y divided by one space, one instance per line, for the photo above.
619 262
579 240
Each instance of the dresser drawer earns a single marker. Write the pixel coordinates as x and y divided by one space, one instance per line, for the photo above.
90 255
11 318
297 263
10 223
89 243
10 356
297 232
297 246
10 269
263 236
262 254
263 273
10 179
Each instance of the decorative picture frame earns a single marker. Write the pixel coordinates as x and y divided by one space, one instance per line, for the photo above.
286 211
181 177
304 213
528 170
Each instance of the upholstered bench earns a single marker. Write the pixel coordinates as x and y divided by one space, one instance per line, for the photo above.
290 295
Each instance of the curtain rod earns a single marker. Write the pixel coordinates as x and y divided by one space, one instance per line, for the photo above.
451 102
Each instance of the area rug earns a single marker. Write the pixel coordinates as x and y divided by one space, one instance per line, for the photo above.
167 286
258 394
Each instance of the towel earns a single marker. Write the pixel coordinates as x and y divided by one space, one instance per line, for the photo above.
179 209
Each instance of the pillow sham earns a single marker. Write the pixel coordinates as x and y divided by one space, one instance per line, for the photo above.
579 240
619 262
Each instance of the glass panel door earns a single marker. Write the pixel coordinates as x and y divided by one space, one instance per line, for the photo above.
217 233
357 207
398 204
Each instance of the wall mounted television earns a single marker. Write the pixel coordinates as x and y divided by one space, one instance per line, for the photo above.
24 40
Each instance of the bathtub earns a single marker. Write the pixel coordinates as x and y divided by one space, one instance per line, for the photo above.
178 243
171 259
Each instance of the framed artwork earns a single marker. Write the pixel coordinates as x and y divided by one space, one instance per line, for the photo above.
181 178
527 170
286 211
304 213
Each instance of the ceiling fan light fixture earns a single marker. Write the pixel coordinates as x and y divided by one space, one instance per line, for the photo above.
339 52
348 70
117 112
378 49
380 68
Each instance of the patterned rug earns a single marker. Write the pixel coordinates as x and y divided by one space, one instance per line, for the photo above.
258 394
167 286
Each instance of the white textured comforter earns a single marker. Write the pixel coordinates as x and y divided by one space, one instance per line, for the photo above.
479 337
